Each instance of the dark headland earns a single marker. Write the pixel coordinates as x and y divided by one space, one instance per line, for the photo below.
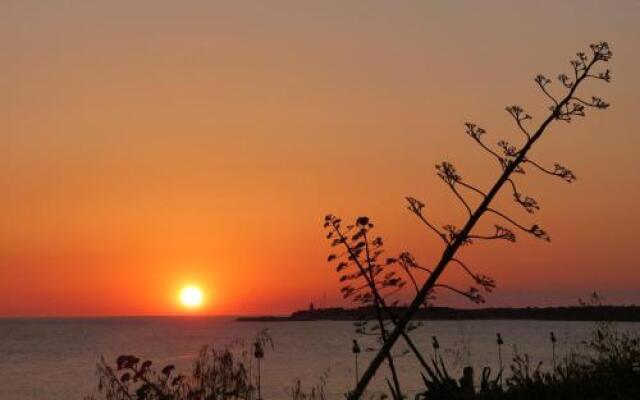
577 313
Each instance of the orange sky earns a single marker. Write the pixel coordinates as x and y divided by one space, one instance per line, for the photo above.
153 145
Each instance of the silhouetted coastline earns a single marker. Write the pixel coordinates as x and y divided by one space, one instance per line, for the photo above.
573 313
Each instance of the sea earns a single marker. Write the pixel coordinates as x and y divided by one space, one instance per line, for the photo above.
55 359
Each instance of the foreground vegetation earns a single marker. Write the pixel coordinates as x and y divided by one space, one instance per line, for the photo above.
216 375
606 367
373 279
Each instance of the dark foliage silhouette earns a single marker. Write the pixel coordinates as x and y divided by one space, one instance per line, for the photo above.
317 392
369 280
215 375
514 160
605 368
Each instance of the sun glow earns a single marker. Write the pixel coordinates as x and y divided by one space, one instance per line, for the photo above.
191 297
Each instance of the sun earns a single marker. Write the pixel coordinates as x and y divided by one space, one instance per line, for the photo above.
191 297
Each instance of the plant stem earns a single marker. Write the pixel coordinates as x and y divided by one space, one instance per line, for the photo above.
452 247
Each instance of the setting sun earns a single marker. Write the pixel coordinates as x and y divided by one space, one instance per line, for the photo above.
191 297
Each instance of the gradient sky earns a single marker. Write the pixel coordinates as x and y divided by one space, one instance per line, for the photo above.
152 144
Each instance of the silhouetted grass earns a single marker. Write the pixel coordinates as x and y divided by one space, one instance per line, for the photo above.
607 369
216 375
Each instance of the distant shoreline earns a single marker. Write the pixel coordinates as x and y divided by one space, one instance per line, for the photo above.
577 313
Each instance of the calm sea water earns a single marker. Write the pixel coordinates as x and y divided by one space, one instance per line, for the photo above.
54 359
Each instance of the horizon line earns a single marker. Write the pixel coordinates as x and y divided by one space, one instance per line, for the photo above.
186 315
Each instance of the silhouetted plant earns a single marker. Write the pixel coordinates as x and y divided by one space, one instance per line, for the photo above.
440 385
261 340
552 338
512 159
132 378
603 374
355 349
216 376
459 352
246 349
608 345
317 391
367 280
436 345
499 342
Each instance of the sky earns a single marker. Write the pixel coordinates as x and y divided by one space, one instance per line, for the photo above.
151 145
